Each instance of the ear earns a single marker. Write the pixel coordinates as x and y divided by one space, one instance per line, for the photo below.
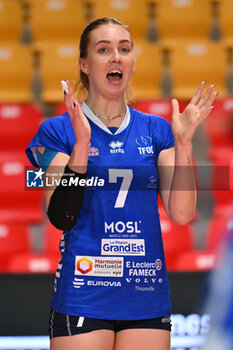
83 65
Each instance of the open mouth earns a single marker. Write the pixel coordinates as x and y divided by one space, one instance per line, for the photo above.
115 75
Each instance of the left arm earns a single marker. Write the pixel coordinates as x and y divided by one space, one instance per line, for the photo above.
176 177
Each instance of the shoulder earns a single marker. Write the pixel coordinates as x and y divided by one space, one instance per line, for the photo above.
157 127
52 134
58 127
59 122
153 119
56 131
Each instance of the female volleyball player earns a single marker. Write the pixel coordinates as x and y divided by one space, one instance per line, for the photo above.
111 289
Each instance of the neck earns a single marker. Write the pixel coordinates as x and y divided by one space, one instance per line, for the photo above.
111 113
105 107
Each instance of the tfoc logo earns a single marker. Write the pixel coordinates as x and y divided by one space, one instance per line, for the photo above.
145 143
122 227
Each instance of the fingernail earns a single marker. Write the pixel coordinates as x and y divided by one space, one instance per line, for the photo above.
204 81
74 104
64 87
212 107
217 93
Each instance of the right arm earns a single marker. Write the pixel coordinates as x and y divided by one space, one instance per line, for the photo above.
64 203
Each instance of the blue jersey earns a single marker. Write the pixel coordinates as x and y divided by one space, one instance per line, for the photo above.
113 264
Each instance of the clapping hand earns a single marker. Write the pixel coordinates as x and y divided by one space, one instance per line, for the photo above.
185 124
79 121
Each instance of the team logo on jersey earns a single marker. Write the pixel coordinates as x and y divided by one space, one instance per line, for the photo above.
34 178
99 266
116 147
143 271
78 282
104 283
84 265
144 141
152 183
145 145
122 227
93 151
123 246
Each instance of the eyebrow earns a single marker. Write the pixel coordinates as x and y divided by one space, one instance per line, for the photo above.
109 42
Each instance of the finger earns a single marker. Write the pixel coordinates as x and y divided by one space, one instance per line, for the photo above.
208 107
212 99
175 107
209 102
206 96
68 102
64 87
76 106
69 87
196 97
68 98
206 112
78 113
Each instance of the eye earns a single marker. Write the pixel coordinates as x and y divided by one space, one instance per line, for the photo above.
103 50
125 49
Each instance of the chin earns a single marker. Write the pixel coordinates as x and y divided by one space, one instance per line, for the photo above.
116 94
116 90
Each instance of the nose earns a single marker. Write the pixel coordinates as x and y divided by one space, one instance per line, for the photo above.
115 56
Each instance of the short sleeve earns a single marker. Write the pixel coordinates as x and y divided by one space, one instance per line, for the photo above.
165 136
52 134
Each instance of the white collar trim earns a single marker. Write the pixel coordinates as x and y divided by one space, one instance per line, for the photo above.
88 112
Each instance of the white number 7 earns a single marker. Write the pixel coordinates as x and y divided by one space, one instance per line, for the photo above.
127 175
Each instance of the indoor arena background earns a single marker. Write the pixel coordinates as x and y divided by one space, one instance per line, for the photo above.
178 44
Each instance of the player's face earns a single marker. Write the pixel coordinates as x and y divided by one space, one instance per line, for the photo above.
110 60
